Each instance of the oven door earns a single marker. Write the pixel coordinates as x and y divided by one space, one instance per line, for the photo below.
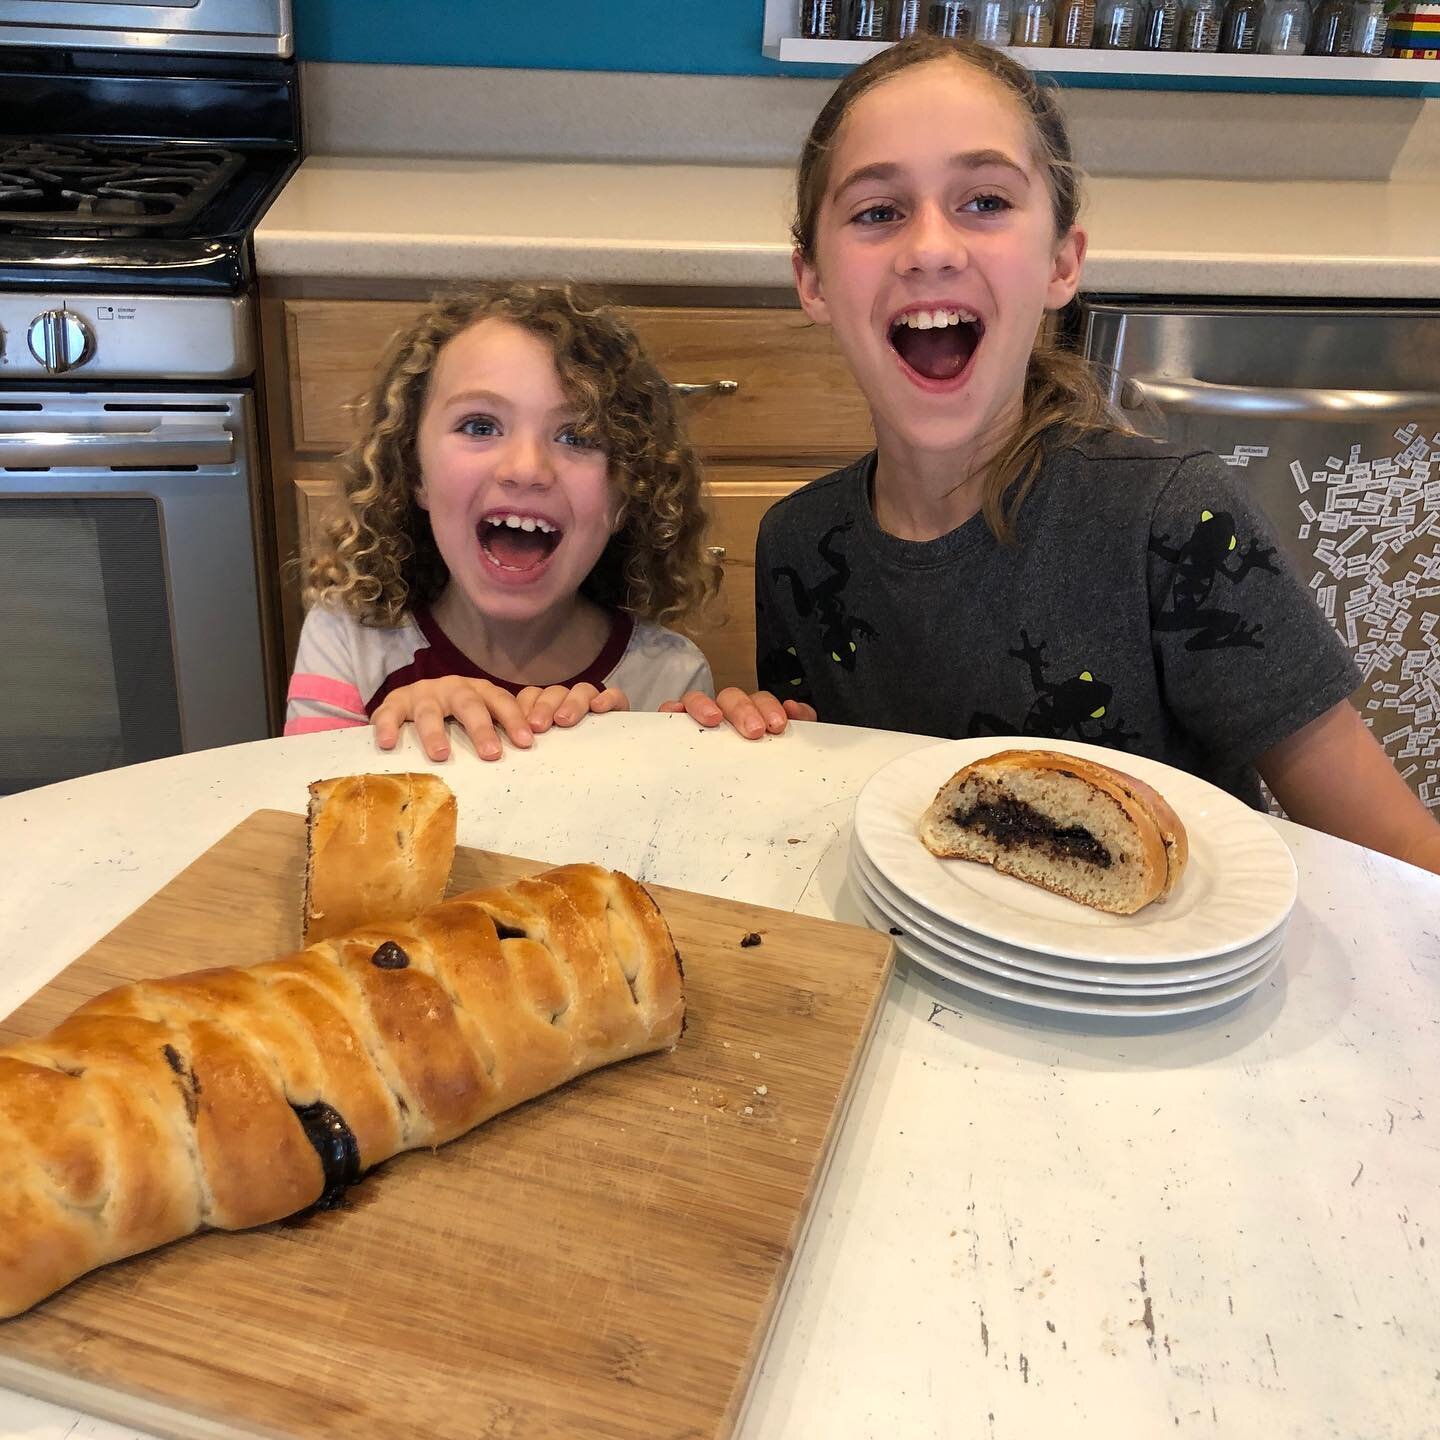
128 593
235 27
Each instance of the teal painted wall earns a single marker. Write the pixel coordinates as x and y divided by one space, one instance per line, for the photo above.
686 37
701 37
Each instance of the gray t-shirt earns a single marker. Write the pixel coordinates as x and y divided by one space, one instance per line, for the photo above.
1145 606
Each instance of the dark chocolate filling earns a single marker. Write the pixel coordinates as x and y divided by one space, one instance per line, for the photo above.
185 1079
334 1143
390 956
1012 822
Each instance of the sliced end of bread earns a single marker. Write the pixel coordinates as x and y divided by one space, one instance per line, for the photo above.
377 847
1071 826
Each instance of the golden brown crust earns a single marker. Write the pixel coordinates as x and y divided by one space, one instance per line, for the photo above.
378 847
1171 827
164 1106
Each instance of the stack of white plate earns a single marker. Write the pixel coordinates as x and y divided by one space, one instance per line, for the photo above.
1217 937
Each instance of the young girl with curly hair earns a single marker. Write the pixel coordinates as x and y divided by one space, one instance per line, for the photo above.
1012 559
523 515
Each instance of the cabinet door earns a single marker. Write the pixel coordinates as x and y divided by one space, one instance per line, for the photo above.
793 400
319 499
756 384
738 496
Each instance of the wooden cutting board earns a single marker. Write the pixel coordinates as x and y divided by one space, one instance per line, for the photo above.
602 1262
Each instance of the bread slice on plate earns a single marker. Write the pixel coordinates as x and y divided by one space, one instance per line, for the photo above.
1073 826
377 847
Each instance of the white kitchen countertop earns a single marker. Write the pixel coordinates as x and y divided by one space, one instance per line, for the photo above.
359 219
1225 1225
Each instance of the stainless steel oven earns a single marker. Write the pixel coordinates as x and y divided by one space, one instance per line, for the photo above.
138 145
128 600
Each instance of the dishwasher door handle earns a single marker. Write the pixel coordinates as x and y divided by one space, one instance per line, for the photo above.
1198 397
166 445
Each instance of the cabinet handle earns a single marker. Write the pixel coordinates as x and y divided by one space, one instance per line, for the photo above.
715 552
709 387
1197 397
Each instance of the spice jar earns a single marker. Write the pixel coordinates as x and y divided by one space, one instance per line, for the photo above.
1115 24
1200 26
992 22
1161 28
869 20
1240 31
1284 27
1033 23
905 19
1330 32
1075 24
1368 28
820 19
952 19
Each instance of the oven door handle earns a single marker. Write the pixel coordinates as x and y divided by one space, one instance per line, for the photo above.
1197 397
166 445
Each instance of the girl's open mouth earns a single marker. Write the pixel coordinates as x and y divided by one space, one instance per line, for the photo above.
517 543
937 345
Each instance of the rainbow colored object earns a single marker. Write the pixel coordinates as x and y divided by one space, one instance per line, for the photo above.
1414 33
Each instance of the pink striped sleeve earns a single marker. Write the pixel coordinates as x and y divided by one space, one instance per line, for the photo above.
325 690
309 724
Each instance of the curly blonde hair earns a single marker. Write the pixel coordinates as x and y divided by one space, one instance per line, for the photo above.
381 559
1062 389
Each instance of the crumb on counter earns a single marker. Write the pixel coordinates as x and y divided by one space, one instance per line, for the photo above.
753 938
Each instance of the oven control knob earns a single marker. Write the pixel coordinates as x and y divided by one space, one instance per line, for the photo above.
60 340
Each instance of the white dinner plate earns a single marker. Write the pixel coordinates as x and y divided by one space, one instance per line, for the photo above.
945 935
1238 887
987 983
1132 982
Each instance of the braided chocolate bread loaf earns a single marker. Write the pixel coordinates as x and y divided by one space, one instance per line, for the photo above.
233 1097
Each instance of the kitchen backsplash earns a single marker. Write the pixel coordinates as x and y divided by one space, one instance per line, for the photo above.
465 112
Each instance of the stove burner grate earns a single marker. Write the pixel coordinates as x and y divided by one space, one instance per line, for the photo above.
93 187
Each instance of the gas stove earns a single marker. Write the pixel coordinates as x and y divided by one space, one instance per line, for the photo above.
144 166
139 144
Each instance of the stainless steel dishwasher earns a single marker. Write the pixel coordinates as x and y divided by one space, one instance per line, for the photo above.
1332 417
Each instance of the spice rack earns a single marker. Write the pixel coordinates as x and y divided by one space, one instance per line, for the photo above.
1144 69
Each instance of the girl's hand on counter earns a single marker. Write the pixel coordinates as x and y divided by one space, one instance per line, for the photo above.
485 710
544 706
752 715
477 704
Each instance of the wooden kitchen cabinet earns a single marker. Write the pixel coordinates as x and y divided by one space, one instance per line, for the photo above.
793 413
793 399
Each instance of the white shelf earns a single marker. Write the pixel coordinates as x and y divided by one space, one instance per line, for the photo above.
1151 66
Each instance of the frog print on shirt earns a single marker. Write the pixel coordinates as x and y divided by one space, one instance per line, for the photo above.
1200 562
825 601
1077 707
